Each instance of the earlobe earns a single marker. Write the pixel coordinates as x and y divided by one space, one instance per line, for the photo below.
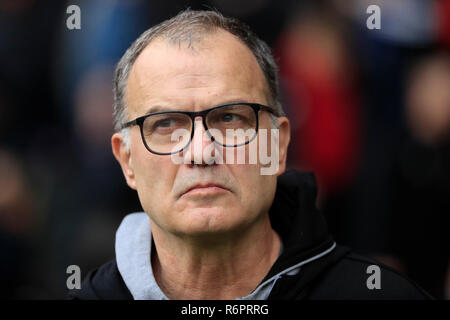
123 156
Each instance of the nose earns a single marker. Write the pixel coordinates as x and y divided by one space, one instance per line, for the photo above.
197 151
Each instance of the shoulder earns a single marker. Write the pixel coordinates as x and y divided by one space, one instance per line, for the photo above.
358 277
103 283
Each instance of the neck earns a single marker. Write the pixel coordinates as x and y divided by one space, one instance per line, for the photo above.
232 267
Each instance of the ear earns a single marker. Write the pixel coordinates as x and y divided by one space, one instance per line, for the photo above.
123 156
283 143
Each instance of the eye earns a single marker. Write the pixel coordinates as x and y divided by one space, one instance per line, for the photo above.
165 123
229 117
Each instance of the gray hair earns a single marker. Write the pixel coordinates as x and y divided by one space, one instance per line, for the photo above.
188 27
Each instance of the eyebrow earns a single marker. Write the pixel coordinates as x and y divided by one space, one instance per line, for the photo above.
158 108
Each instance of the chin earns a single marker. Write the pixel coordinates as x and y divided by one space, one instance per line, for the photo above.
209 221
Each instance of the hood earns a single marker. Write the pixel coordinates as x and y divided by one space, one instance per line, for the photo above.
304 233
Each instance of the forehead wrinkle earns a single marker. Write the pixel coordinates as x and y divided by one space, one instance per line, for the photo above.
198 70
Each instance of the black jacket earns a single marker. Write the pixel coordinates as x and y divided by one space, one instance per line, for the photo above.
338 274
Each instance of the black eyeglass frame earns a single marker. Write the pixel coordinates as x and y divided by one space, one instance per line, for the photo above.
255 106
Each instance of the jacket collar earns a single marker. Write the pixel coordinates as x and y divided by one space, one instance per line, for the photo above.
295 218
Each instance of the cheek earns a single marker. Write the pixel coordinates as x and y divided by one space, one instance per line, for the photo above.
257 191
154 180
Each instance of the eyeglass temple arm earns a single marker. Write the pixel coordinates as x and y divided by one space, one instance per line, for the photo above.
129 124
271 110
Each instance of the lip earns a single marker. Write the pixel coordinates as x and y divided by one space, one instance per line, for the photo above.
205 189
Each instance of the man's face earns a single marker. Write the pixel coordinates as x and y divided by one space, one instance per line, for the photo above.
217 70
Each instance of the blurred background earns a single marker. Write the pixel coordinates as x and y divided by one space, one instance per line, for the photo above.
369 109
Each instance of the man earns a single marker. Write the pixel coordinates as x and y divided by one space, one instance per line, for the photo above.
192 95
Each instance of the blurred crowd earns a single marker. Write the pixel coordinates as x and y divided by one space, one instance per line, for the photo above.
369 110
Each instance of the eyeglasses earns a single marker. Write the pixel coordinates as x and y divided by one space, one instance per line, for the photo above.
229 125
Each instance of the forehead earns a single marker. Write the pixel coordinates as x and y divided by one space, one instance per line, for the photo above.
217 69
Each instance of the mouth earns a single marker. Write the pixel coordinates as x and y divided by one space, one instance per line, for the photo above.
205 190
